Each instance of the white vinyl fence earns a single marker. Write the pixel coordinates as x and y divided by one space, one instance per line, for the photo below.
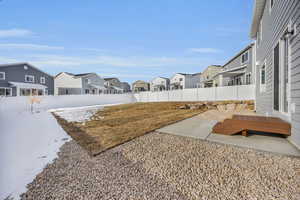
241 92
22 103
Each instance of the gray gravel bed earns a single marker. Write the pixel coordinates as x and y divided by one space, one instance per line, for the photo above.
160 166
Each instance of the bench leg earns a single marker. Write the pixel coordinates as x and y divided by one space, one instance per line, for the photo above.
245 133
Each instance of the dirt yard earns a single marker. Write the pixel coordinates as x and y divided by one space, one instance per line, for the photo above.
115 125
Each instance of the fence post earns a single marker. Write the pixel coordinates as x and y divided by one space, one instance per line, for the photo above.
237 92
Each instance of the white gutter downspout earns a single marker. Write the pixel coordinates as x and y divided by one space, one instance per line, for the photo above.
254 72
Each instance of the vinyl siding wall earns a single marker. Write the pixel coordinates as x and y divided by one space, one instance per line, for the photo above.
94 80
273 26
64 81
192 81
237 62
159 81
17 74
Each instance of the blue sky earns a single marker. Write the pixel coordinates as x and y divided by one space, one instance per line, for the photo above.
129 39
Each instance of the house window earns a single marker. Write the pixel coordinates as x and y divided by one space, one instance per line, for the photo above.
2 75
248 79
6 92
180 79
245 57
263 78
88 81
29 78
43 80
263 75
25 92
40 92
238 81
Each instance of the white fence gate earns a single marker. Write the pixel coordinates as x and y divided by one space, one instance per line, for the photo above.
241 92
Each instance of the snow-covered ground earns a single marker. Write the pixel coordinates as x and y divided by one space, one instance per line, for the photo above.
78 114
29 141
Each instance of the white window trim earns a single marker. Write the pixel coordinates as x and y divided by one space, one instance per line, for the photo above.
262 87
29 76
43 80
3 75
6 89
247 52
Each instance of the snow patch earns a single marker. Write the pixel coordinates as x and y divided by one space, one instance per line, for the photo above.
77 115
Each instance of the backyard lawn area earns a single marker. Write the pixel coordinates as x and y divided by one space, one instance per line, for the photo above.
115 125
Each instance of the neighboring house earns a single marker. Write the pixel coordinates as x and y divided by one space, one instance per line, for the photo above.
159 84
71 84
275 29
208 76
125 87
238 70
184 81
113 85
140 86
23 79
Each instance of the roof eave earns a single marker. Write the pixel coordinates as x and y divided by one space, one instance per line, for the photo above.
258 10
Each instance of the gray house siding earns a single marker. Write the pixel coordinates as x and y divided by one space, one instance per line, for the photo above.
94 80
236 63
273 26
16 73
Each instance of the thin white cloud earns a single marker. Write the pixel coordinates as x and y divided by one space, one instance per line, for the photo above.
30 47
204 50
107 60
15 33
4 60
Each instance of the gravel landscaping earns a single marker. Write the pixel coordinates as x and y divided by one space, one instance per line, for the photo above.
161 166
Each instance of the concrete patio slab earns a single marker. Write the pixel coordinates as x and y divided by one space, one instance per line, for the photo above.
200 127
259 142
193 127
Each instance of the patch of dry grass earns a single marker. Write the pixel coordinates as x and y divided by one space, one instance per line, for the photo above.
118 124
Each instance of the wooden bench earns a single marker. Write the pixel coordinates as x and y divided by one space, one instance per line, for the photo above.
244 123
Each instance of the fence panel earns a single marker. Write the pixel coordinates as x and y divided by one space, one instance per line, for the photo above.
226 93
246 92
175 95
22 103
190 94
242 92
